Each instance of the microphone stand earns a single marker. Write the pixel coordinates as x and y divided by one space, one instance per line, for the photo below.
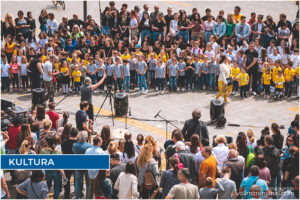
167 122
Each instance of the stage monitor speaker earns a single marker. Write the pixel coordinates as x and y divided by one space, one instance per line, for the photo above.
121 104
38 96
5 104
229 140
217 109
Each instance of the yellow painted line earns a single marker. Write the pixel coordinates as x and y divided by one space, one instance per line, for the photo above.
16 102
21 95
294 109
229 134
179 3
271 120
135 123
59 98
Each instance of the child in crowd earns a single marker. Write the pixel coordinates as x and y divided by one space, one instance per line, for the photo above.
15 68
181 76
100 70
289 77
126 81
266 80
5 74
76 74
204 73
212 73
92 70
173 74
235 77
160 74
151 71
118 74
297 80
276 68
83 71
65 76
53 116
56 70
190 68
243 83
132 66
279 82
141 71
109 73
197 73
23 72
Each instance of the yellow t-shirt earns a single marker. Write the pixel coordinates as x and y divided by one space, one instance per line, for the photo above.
64 69
56 66
275 72
76 73
244 77
297 71
70 60
86 62
289 73
235 72
237 18
267 78
127 57
149 55
164 58
10 47
44 59
279 80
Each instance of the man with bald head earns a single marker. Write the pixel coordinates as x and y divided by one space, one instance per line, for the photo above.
236 166
154 13
75 21
193 126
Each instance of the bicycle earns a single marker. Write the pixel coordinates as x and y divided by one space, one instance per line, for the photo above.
62 3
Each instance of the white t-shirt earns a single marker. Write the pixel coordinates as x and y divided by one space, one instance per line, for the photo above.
133 22
2 176
124 158
274 58
23 69
296 60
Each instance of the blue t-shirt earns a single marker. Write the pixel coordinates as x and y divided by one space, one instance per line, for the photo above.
182 67
152 65
197 66
126 69
5 68
160 71
141 66
92 67
80 118
132 64
173 69
101 72
211 67
118 70
109 70
204 67
249 181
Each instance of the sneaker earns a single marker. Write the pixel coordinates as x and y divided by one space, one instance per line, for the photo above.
183 89
254 93
141 92
146 91
95 91
156 88
177 89
65 181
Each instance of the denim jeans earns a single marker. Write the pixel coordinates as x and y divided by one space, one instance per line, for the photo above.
133 79
79 174
204 80
288 88
144 33
101 87
77 86
54 175
197 82
189 82
152 78
126 83
4 83
273 185
118 84
207 34
142 82
94 78
155 35
105 30
212 81
160 83
173 83
185 35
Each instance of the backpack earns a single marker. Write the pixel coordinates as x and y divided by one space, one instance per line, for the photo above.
149 180
250 158
180 165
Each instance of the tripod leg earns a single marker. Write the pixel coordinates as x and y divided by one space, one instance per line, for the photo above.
111 108
101 107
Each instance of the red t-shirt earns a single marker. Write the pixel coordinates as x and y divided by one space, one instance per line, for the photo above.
13 132
53 117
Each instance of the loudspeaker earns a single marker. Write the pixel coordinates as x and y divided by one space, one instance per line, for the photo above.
121 104
217 109
38 96
229 140
5 104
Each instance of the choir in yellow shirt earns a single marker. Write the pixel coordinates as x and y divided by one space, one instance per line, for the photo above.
244 77
279 81
266 79
76 76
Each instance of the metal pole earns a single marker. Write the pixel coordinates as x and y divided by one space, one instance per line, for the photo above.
84 10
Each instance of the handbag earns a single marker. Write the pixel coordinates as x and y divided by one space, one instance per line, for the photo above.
149 180
229 81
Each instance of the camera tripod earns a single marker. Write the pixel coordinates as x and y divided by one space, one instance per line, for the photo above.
110 96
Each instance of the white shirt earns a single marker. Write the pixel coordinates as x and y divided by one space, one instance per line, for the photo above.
274 58
221 153
138 148
124 158
127 185
296 60
2 176
133 22
23 69
174 25
43 42
224 72
53 25
47 67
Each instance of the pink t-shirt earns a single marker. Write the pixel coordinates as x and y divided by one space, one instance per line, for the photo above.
264 174
14 68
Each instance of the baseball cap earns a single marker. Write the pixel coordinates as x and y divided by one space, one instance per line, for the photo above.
178 144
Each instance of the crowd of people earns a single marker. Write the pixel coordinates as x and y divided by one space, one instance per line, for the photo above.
144 49
139 48
247 168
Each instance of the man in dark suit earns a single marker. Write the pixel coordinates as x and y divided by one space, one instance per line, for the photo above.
195 126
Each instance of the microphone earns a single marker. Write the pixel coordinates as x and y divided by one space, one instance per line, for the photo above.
157 114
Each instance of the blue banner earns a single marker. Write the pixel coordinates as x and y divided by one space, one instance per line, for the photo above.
78 162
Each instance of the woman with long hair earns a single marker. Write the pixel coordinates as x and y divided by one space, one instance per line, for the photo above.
134 24
183 27
66 132
225 73
169 177
8 26
127 183
242 146
145 26
277 136
221 150
264 171
155 152
64 120
102 185
173 29
15 69
194 146
43 20
146 162
26 147
105 136
25 132
159 27
230 27
129 152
